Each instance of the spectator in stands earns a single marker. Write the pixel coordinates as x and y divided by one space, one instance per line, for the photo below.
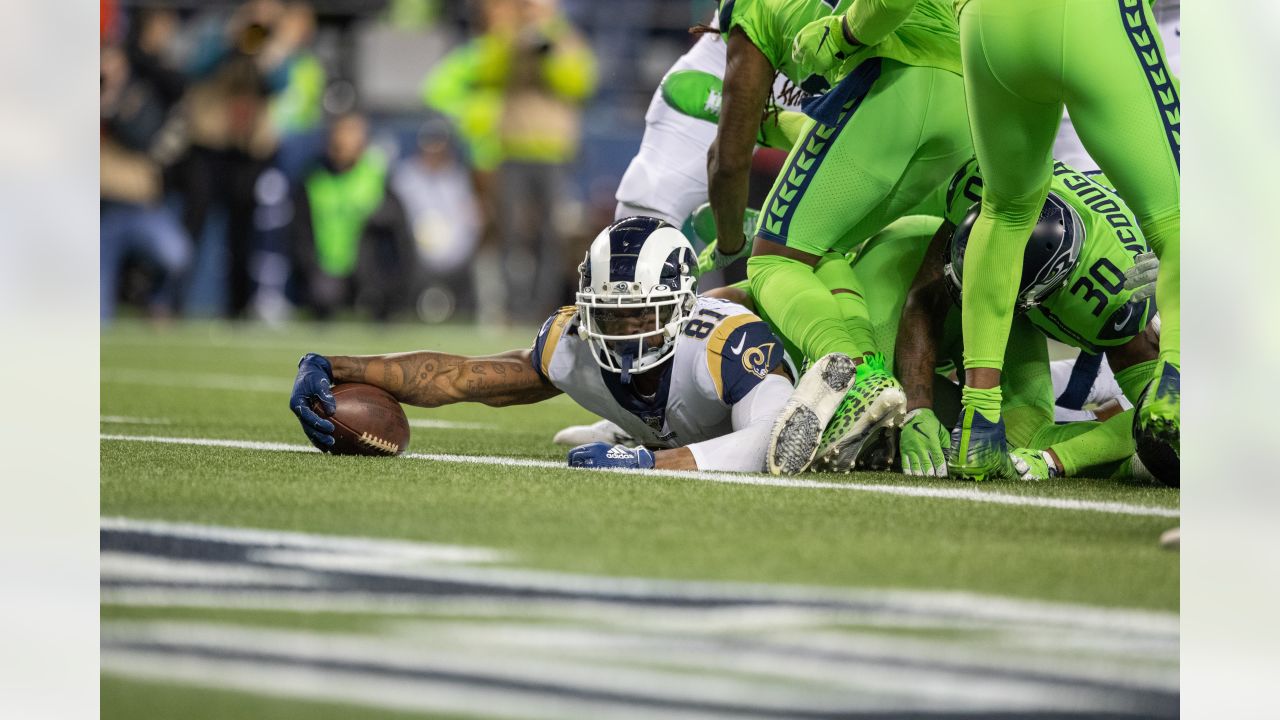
546 71
350 240
516 93
139 138
239 64
441 208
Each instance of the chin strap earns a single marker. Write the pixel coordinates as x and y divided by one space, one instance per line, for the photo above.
625 361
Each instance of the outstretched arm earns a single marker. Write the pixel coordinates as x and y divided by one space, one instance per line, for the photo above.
431 379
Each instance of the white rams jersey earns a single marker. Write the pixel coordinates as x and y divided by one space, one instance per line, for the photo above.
668 177
721 354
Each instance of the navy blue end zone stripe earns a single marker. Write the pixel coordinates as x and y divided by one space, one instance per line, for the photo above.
1146 45
797 174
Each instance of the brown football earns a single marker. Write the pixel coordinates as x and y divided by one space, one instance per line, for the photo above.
368 421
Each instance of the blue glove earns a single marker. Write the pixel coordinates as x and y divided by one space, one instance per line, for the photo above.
315 377
604 455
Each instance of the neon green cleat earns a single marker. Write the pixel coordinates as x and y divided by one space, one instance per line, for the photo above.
979 450
694 93
875 404
1156 425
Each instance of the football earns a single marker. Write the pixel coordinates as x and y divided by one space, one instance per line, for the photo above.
368 421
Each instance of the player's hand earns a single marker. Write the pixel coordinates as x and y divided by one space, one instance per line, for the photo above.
1141 278
820 46
313 384
1031 464
604 455
921 444
704 227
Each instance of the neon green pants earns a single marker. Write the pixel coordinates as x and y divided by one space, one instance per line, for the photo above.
1023 62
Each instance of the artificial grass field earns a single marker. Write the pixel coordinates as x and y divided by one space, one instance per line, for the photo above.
206 381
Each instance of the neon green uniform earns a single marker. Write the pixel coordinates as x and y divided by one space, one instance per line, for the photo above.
1092 311
892 130
1023 61
883 270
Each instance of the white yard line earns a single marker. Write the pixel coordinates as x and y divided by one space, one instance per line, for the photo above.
940 493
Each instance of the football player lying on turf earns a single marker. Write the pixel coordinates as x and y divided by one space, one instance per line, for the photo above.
928 338
697 381
1072 290
1076 295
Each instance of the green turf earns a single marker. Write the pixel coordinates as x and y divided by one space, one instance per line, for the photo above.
128 699
216 381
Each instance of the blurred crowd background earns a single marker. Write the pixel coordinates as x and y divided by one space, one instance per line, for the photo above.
424 160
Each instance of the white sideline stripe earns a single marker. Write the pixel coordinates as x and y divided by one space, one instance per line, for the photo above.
966 494
129 420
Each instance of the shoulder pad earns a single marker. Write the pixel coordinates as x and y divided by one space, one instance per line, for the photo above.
544 346
741 352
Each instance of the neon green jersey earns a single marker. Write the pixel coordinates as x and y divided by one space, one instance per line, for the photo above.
929 37
1091 310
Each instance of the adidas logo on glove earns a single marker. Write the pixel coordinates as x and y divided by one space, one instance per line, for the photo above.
617 452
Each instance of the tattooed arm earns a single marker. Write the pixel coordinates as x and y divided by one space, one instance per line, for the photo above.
431 379
920 329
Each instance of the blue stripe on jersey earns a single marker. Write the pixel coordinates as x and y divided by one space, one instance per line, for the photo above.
1083 374
1146 45
832 111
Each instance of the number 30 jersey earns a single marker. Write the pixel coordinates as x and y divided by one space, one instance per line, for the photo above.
721 355
1092 310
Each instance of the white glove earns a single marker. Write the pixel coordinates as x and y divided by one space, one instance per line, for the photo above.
1141 278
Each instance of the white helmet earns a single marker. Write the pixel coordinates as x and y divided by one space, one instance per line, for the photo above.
636 288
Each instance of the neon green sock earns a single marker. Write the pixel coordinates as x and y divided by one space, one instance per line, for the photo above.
992 273
1164 236
1086 446
801 307
837 276
1134 378
985 400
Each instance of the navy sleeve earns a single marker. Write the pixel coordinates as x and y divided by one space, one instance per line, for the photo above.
740 354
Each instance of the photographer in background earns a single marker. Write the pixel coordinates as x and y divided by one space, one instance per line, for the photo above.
546 71
141 137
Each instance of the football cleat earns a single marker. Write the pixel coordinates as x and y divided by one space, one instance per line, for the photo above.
605 431
1156 425
798 430
875 404
979 450
694 93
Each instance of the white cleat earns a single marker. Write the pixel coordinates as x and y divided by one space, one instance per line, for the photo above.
604 431
1171 539
798 429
